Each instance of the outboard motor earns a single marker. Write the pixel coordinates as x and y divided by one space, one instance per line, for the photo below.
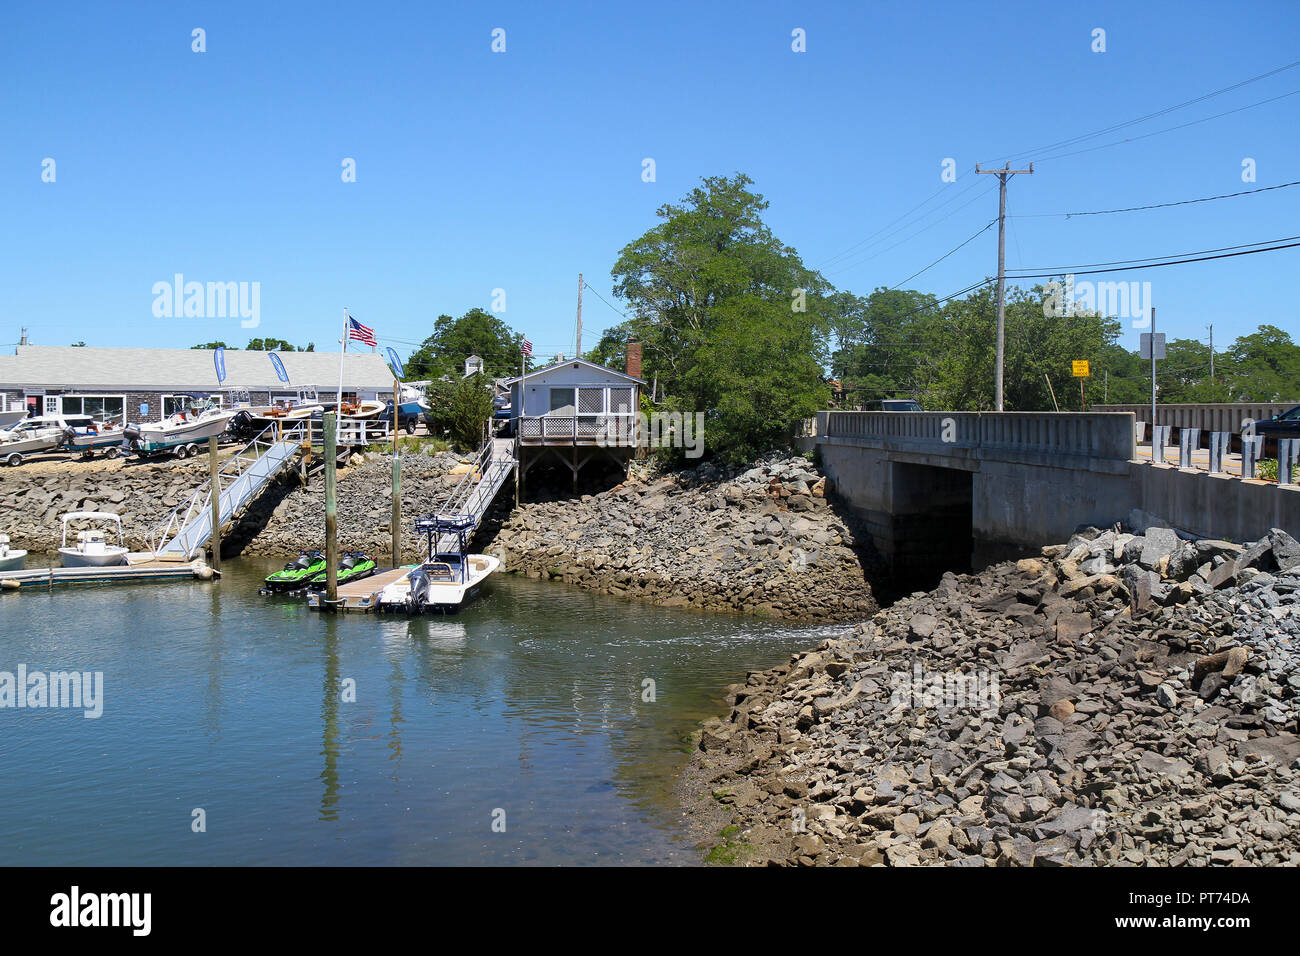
241 426
419 596
69 433
131 433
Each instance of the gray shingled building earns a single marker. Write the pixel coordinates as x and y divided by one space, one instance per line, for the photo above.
133 385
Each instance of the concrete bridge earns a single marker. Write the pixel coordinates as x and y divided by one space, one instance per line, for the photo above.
940 489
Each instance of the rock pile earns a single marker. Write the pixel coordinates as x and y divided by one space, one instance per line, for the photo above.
35 496
765 542
1124 699
284 526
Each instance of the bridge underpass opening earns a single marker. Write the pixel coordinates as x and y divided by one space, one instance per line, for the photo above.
931 524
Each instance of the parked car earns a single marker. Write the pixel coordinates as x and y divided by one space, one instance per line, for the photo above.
895 405
1285 425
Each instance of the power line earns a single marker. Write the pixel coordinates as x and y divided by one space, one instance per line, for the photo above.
1169 129
1083 137
1162 205
1157 265
1056 270
945 255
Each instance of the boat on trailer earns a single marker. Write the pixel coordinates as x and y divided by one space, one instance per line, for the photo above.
448 578
182 432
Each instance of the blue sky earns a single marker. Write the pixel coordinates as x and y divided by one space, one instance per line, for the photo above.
518 170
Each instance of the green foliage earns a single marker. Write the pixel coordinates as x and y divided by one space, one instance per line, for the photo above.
1266 468
901 344
275 345
214 345
731 322
453 340
469 407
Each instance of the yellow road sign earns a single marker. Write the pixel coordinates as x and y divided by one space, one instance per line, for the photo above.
1081 369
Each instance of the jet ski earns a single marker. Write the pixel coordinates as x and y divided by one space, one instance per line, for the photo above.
296 574
353 566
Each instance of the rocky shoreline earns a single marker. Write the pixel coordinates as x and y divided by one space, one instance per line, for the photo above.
765 541
1123 700
762 541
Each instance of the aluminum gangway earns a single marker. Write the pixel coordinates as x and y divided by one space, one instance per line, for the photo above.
469 501
184 532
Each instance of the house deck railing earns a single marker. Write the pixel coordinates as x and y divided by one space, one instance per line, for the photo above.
614 429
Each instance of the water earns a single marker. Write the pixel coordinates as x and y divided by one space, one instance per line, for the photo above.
528 704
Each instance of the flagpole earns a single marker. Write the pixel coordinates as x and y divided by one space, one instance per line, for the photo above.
343 347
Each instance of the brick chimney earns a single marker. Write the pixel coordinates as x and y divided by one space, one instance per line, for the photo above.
634 359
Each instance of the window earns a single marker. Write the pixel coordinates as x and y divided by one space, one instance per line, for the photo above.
620 400
171 404
562 400
51 404
104 408
591 401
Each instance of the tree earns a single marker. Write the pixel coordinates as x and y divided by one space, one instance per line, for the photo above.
731 321
271 345
469 408
213 345
453 340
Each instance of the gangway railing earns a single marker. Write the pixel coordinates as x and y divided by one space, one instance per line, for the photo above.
469 501
184 532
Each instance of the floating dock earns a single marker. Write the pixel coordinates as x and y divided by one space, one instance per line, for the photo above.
361 595
35 578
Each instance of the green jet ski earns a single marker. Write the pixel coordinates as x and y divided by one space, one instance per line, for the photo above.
296 574
353 566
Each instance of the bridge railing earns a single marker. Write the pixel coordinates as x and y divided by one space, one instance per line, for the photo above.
1052 434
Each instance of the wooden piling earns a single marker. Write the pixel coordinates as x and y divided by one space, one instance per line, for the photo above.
214 496
397 486
330 438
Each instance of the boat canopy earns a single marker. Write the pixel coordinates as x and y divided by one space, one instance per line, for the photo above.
92 516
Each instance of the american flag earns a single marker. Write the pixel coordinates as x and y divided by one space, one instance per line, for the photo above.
526 348
361 333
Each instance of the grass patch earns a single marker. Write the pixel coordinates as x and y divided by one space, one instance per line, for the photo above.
411 445
1266 468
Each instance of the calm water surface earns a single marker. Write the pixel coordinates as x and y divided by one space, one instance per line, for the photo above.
528 702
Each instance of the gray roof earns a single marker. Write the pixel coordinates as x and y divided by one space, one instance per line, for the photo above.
63 366
553 366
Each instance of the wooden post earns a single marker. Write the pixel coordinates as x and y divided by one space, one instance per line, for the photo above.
215 496
331 512
397 488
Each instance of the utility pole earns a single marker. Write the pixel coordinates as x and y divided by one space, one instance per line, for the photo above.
1211 353
579 355
1003 175
1153 386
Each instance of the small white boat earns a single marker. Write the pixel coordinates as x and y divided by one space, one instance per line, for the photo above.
440 585
180 431
11 418
10 558
92 549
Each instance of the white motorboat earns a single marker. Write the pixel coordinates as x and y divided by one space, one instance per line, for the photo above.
182 431
96 436
10 559
449 577
440 585
92 549
42 433
11 418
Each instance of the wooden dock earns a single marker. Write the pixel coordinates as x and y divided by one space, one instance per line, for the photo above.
52 577
363 595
